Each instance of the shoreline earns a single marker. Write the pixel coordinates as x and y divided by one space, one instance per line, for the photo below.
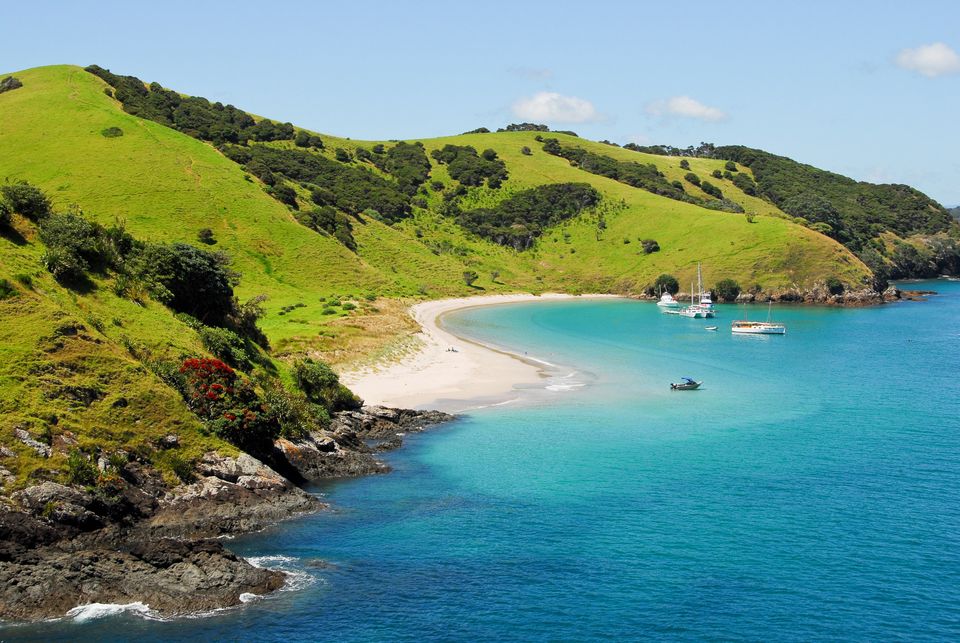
471 374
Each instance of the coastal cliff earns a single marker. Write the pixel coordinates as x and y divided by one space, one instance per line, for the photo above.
142 542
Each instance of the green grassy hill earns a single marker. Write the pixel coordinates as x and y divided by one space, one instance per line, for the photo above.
74 362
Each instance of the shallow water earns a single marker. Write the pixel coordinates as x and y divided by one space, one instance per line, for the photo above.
810 490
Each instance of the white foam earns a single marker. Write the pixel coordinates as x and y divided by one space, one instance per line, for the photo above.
248 597
91 611
269 562
564 387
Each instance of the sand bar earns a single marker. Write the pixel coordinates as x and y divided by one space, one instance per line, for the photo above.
470 375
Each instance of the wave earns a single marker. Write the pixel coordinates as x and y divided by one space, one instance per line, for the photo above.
91 611
296 580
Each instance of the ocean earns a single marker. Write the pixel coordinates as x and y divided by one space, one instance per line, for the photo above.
809 491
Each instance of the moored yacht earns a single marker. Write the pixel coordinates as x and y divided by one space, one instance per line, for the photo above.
667 301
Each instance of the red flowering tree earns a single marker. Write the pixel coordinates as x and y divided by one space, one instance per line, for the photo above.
229 404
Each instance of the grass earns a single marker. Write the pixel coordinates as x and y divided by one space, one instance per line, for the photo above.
167 186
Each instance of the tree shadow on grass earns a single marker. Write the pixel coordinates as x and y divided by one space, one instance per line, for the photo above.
13 236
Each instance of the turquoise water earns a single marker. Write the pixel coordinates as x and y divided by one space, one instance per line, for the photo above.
809 491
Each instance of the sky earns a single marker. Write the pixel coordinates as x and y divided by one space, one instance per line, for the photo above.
870 90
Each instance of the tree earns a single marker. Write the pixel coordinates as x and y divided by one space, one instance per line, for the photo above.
302 139
727 290
525 151
666 283
650 246
489 155
470 276
692 178
342 155
814 208
730 166
494 275
717 174
684 164
711 189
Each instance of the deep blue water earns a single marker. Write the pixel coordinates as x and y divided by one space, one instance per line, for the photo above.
809 491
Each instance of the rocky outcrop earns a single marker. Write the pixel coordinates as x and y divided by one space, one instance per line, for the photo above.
232 495
131 539
171 576
349 447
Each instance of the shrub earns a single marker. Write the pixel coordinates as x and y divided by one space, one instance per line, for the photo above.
745 183
342 155
650 246
24 279
727 290
205 236
74 245
666 283
7 290
436 186
730 166
26 200
81 470
711 189
111 132
835 286
378 148
822 228
322 386
717 174
10 83
684 164
349 306
284 194
4 215
525 151
469 168
692 178
225 345
470 276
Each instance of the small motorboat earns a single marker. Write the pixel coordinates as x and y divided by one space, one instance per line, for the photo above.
710 328
688 384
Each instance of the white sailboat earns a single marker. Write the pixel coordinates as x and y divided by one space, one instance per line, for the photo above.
701 304
747 327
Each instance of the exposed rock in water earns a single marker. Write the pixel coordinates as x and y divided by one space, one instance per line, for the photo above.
172 577
348 447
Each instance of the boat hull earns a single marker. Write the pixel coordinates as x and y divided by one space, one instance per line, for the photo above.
758 329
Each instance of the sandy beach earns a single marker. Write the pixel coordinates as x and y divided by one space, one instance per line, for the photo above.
469 375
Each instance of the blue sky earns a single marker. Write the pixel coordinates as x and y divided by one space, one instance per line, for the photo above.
870 90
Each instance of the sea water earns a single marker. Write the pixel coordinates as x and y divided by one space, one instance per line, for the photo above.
809 491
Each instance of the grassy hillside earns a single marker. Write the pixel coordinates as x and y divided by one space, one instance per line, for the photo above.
82 362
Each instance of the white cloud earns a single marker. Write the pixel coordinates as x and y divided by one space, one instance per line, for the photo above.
555 108
685 107
932 60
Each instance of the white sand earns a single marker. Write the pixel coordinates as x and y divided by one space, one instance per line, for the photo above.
451 380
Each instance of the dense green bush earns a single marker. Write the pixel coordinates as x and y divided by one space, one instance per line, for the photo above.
408 162
727 290
717 174
226 345
74 246
352 189
745 183
519 220
26 200
644 176
684 164
192 115
284 194
863 210
469 168
322 386
666 283
525 151
690 177
329 220
650 246
342 155
834 286
81 470
711 189
205 236
730 166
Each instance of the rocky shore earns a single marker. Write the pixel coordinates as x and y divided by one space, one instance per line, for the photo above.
819 294
140 541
